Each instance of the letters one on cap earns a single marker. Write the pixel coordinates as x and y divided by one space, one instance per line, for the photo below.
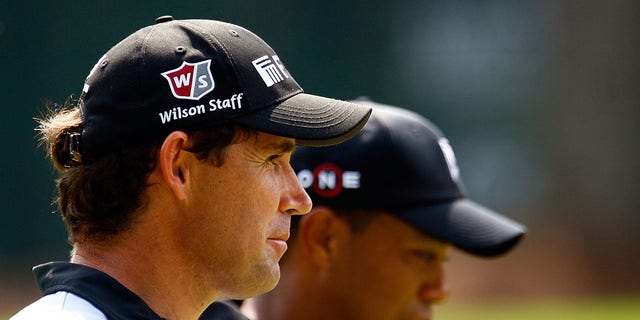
191 80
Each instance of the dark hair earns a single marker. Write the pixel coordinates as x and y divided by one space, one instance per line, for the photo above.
102 197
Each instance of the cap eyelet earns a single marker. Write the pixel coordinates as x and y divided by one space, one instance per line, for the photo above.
180 49
104 63
234 33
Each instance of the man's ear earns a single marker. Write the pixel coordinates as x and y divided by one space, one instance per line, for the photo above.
320 233
172 164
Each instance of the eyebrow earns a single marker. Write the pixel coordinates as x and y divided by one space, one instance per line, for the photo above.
282 147
432 241
286 146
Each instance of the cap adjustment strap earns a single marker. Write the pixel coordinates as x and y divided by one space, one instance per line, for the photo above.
73 144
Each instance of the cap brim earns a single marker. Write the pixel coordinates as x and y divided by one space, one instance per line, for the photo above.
466 225
311 120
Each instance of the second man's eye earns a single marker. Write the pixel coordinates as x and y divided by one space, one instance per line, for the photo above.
430 256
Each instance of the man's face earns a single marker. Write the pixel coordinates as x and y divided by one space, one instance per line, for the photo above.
390 271
240 215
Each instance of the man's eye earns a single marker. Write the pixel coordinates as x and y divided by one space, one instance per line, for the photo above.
431 257
273 158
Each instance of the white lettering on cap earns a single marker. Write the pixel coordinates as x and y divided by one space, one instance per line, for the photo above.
271 70
450 158
328 180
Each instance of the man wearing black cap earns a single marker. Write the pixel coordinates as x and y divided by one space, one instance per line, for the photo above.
175 186
388 204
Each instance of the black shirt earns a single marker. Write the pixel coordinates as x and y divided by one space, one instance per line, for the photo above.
104 292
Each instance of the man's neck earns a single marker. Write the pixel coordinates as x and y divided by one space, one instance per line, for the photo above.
292 299
150 273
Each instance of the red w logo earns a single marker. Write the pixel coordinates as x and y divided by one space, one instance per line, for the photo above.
191 80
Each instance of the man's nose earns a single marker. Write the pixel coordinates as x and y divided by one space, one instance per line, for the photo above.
436 292
295 201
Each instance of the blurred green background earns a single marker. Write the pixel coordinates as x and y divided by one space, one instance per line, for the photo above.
538 98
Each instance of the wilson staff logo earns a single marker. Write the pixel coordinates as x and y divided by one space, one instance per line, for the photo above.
191 80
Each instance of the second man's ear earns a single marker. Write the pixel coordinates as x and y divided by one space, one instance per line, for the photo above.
320 234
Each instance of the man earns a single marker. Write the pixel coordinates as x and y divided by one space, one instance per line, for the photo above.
176 187
388 204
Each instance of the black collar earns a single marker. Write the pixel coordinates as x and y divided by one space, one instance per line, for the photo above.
104 292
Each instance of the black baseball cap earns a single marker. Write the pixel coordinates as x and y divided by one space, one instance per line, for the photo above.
402 164
193 74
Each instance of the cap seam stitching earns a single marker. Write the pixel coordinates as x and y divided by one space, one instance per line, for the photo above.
143 61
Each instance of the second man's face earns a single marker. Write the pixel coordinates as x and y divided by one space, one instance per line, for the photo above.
391 271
